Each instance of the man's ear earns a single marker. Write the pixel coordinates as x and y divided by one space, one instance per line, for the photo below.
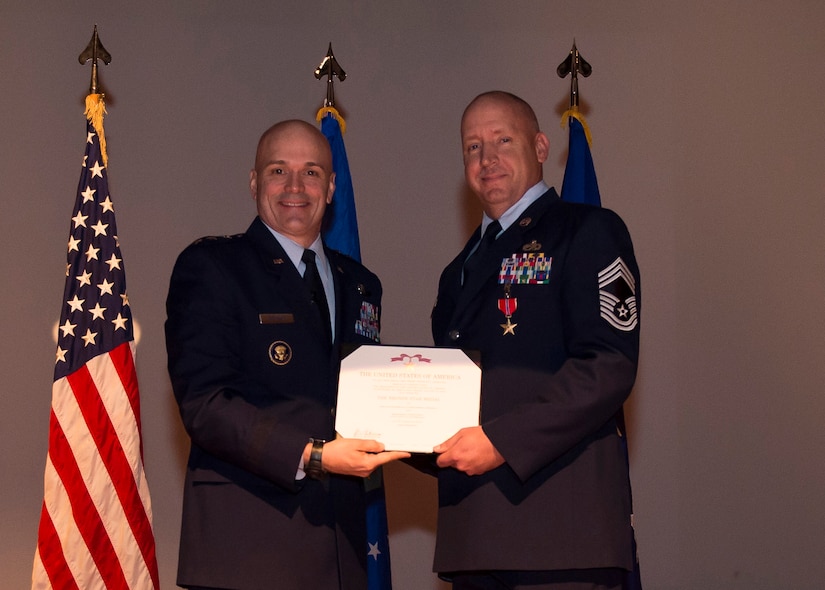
253 184
542 147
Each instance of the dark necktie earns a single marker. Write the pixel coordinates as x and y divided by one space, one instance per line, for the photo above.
316 289
474 262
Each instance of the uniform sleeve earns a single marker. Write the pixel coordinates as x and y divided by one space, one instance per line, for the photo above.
215 397
600 301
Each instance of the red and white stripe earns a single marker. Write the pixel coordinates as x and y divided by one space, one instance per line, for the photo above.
96 522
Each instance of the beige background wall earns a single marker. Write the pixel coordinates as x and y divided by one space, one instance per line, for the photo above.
709 135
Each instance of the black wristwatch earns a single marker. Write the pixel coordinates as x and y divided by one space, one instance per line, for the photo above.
314 469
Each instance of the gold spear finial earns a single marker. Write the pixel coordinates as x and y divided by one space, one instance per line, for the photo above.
94 51
329 67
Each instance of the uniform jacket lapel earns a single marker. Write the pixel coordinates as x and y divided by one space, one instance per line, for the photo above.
287 281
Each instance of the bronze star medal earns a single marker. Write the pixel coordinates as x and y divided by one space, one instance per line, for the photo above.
508 306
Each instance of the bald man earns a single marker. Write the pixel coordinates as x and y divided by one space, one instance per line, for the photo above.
254 330
537 496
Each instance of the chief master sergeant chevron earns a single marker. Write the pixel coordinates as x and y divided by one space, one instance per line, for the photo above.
253 353
538 495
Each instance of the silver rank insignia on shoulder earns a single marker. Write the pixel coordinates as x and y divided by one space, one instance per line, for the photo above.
617 296
280 353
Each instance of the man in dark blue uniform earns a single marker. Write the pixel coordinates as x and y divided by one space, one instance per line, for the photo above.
538 495
271 499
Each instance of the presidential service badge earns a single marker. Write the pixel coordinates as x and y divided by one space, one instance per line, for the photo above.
280 353
617 296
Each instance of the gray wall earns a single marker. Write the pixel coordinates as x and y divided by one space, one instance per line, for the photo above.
709 138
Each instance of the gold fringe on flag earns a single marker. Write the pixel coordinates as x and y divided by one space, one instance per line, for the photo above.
334 112
574 112
95 109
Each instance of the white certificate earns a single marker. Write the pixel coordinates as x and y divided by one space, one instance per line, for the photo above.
409 398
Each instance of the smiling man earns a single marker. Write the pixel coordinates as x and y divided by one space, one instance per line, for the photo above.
292 182
253 335
537 496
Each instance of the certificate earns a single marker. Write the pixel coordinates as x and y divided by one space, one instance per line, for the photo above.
409 398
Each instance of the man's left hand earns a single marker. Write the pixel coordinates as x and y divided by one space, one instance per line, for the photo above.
469 450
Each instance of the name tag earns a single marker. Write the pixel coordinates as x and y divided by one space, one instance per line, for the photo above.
276 318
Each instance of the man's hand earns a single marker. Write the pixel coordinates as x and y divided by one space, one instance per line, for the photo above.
354 456
469 450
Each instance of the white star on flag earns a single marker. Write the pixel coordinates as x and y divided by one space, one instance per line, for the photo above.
105 287
68 328
85 278
79 220
89 337
373 552
120 322
100 228
97 311
75 303
91 253
113 262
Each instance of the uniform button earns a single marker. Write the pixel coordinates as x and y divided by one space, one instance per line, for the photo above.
332 412
454 335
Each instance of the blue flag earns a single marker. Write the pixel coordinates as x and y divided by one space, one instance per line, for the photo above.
580 186
341 224
341 233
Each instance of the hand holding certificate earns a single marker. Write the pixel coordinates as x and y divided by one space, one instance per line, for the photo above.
409 398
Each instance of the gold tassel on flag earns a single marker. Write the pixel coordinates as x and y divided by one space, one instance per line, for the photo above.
328 110
575 114
95 109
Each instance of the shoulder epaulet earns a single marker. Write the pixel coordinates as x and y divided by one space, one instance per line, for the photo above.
217 238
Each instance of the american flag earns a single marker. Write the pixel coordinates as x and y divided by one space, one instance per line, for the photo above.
96 521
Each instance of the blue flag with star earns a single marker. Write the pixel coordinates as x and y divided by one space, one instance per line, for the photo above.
580 186
341 233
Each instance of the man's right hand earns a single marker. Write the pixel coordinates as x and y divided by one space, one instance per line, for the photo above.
354 456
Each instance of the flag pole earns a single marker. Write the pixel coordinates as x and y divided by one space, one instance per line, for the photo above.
95 106
580 186
94 51
340 233
574 64
330 68
340 229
